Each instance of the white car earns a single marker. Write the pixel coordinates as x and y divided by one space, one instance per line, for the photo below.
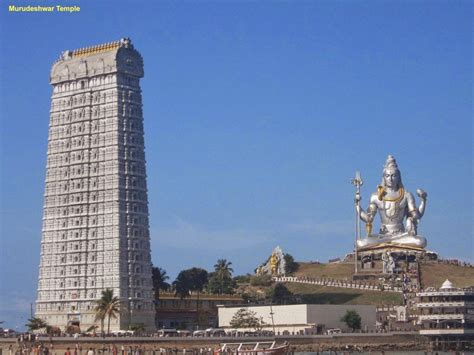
199 333
215 332
122 333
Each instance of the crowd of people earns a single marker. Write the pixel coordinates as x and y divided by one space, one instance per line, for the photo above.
102 349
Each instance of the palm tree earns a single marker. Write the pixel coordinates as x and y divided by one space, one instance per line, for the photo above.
221 279
92 329
107 306
36 323
159 278
223 269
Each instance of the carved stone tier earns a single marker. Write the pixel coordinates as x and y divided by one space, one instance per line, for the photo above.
391 247
387 260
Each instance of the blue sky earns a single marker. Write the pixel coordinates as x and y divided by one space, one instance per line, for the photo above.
257 115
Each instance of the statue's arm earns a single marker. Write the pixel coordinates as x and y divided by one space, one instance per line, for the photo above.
368 216
412 209
422 195
372 209
362 214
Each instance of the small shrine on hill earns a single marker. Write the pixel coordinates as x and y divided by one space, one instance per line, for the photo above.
275 264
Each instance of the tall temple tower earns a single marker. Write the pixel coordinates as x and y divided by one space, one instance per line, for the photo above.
95 223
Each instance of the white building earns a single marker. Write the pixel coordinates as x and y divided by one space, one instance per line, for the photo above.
448 311
302 318
95 223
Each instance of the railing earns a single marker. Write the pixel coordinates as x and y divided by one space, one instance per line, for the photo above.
337 283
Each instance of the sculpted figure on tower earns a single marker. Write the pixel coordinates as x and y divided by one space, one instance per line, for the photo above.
399 215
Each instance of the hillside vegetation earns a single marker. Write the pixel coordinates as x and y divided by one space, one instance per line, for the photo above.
314 294
434 274
340 271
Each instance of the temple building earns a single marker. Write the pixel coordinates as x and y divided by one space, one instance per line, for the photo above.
197 311
299 319
446 314
95 232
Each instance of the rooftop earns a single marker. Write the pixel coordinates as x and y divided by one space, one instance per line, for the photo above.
99 48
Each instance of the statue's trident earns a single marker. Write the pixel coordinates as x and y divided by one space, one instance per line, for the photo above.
357 182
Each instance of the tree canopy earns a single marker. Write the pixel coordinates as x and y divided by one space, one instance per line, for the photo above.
352 319
108 306
159 278
220 281
245 318
222 269
193 279
290 264
280 294
36 323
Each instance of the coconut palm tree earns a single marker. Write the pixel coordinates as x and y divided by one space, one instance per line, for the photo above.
222 269
221 279
92 329
108 306
36 323
159 278
99 309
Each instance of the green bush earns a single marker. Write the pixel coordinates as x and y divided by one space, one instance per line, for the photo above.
290 264
242 279
261 280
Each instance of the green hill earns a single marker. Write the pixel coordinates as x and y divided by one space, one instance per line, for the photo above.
433 274
314 294
340 271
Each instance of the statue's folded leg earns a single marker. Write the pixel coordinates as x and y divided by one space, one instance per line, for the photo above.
403 239
410 240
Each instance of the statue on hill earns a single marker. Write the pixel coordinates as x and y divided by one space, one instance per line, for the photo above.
275 264
399 215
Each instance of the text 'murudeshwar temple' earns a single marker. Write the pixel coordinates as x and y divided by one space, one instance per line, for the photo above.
95 223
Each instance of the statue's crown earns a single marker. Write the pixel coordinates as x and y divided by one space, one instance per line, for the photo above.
390 163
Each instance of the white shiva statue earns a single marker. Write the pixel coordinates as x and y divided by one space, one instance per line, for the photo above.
399 215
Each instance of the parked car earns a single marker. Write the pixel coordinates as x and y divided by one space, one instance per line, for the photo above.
215 332
171 332
199 333
9 333
249 333
122 333
333 331
184 333
266 333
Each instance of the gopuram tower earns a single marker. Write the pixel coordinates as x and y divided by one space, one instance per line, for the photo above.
95 223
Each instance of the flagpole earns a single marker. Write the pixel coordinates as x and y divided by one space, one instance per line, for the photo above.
357 182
